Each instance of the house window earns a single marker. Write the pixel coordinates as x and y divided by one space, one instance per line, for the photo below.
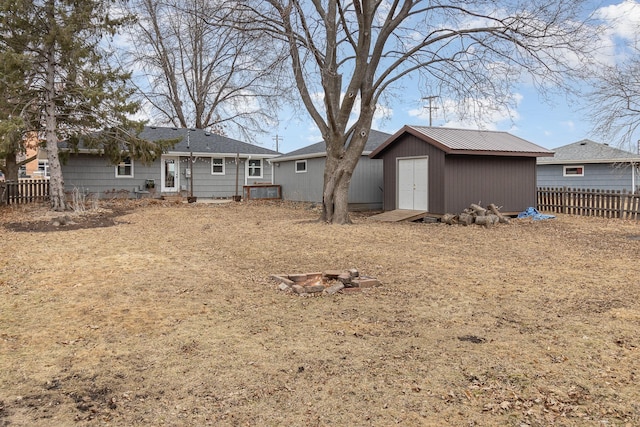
43 167
255 168
301 166
124 169
573 171
217 166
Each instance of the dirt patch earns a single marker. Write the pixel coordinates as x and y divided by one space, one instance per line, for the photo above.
38 218
169 317
69 221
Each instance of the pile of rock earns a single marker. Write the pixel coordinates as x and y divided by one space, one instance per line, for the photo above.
326 282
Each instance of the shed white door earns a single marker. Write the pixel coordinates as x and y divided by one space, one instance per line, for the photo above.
413 184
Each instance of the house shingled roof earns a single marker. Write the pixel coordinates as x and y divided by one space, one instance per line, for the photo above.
201 142
469 141
587 151
319 149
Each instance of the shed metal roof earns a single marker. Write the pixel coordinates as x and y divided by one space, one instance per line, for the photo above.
470 141
587 151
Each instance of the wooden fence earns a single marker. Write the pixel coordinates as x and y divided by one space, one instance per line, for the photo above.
24 191
601 203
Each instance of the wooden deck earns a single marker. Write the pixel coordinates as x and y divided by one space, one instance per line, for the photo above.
401 215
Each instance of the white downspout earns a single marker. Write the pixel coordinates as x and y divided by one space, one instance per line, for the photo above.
273 171
246 170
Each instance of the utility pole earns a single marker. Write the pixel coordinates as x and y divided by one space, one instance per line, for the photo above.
191 174
277 139
430 107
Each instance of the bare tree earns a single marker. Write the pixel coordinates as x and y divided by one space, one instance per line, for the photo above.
350 54
195 71
614 102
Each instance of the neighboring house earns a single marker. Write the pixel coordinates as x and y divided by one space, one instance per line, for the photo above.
589 165
301 175
37 168
442 170
215 172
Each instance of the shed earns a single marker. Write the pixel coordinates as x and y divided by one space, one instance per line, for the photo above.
300 173
590 165
443 170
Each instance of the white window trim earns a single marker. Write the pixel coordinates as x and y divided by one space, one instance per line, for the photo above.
223 166
45 167
249 167
295 166
124 176
571 175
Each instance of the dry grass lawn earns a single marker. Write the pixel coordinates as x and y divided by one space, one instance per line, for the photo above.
169 318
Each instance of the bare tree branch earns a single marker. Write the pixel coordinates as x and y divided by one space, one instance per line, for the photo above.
193 70
351 54
614 102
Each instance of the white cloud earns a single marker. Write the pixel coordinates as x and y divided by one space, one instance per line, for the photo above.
482 113
624 19
622 22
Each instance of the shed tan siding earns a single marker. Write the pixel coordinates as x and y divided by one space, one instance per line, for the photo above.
411 146
509 182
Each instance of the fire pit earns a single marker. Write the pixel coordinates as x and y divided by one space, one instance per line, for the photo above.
326 282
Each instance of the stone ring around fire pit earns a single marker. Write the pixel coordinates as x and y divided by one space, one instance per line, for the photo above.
327 282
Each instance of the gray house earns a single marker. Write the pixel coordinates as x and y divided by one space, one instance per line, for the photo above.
301 175
443 170
220 167
589 165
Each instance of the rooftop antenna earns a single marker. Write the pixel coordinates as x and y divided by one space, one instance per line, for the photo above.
431 107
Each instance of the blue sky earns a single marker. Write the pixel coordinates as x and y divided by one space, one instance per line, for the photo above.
550 123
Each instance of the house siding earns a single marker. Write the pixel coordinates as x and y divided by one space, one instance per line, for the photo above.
96 175
597 176
508 182
406 147
365 191
207 185
301 187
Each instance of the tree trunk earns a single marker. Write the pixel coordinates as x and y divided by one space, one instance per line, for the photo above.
335 197
465 219
494 209
449 219
11 167
56 182
341 161
477 209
